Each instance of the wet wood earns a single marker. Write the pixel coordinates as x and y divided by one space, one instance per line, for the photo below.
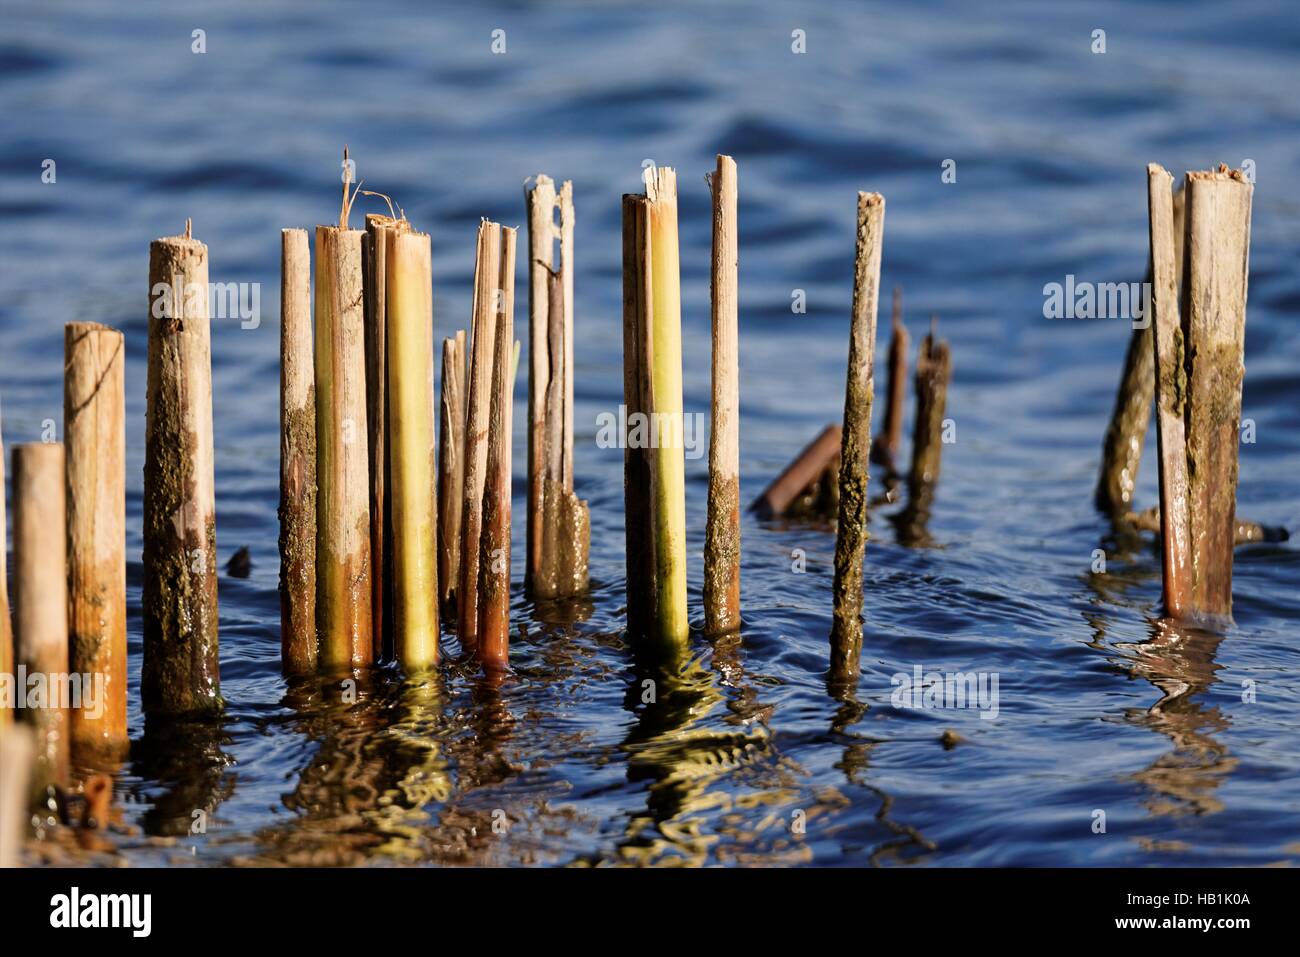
722 528
180 672
297 458
933 373
851 533
451 470
344 596
41 601
413 467
95 437
807 469
886 445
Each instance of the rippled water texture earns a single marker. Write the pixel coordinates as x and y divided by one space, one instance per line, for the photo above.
1100 708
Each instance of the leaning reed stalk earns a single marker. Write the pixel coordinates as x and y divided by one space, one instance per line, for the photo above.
851 533
95 436
413 468
6 626
344 621
451 469
41 598
297 459
179 597
722 531
493 639
479 406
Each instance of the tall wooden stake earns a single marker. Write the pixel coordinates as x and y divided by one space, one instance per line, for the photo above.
851 534
722 531
180 673
297 459
41 598
95 434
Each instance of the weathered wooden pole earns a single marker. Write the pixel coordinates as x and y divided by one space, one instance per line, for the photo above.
886 445
1126 433
652 356
487 285
494 552
933 372
180 672
722 529
451 470
95 436
6 626
344 601
1199 341
851 533
297 458
413 466
41 601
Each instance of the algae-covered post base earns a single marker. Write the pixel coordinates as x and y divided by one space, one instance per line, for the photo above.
344 622
297 459
412 465
41 597
95 436
179 595
722 528
451 470
851 532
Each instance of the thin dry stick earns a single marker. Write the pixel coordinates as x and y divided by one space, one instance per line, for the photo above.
566 273
722 529
411 453
95 434
41 596
642 588
486 290
17 752
6 628
851 534
541 241
933 371
180 672
344 614
1126 434
1213 301
451 470
494 558
546 579
887 444
297 459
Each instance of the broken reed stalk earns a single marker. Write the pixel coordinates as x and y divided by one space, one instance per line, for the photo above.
16 756
6 626
851 532
41 598
1199 340
180 672
933 373
493 635
819 455
95 436
654 462
558 535
487 266
374 267
451 470
722 529
887 444
1126 434
297 459
413 469
344 613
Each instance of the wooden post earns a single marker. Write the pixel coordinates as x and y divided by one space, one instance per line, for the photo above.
851 534
16 755
95 435
1126 434
179 673
722 530
451 470
933 372
1199 340
494 557
41 599
487 285
344 612
887 444
6 626
297 459
413 470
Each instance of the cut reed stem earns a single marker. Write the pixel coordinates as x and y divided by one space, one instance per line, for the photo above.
95 435
851 533
933 372
887 444
451 470
297 458
722 529
180 672
374 259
